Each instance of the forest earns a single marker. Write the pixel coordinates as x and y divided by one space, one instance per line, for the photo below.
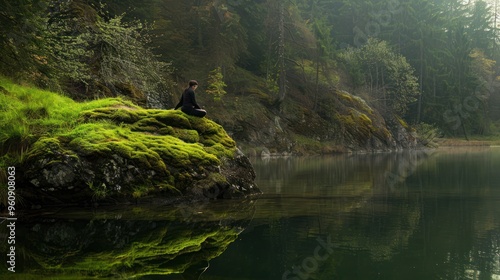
109 181
431 63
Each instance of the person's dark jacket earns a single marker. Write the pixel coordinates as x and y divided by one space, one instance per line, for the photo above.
188 101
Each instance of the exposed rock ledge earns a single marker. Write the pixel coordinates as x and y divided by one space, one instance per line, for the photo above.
124 153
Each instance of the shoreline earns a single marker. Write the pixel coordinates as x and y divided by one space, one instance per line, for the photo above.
452 142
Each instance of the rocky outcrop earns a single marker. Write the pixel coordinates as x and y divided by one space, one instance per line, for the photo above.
125 153
339 123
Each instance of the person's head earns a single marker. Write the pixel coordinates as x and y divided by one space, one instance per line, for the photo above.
193 84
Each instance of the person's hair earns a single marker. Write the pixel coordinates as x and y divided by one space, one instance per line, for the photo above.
193 83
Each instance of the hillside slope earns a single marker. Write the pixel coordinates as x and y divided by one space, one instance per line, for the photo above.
337 122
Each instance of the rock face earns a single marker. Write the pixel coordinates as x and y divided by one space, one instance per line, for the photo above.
340 122
123 152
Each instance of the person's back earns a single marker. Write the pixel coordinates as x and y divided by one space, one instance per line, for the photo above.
188 99
188 102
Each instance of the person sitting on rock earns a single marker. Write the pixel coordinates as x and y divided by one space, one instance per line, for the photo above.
188 101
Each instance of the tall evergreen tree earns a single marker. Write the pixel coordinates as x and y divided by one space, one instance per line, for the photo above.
22 41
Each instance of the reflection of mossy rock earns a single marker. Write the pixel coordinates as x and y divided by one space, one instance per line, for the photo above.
104 247
122 151
127 243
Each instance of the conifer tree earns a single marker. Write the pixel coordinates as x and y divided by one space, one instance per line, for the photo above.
216 84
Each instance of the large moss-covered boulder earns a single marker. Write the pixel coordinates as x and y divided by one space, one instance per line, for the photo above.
122 152
67 152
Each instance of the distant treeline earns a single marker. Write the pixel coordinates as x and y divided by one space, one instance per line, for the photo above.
431 61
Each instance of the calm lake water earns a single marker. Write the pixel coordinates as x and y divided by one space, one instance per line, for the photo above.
408 215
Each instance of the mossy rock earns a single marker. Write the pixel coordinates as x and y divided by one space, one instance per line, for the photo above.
111 149
172 118
116 157
356 125
114 114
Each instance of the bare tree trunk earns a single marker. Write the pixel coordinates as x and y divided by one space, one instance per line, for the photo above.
281 52
383 88
316 90
269 64
495 24
419 108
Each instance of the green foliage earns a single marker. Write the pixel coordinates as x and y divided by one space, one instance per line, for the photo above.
93 50
141 191
386 76
100 191
123 58
73 46
23 49
427 134
216 84
320 74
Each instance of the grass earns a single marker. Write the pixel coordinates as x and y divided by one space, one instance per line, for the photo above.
28 113
35 123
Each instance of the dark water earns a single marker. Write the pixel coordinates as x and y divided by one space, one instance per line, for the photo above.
412 215
433 215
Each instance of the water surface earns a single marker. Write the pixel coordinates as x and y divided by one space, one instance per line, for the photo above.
407 215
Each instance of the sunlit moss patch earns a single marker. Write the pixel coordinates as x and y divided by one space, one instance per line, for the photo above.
170 145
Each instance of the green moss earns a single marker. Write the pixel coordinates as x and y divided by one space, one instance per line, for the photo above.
171 123
180 153
189 136
345 96
168 187
141 191
205 127
166 141
148 122
35 112
117 115
357 124
174 118
28 113
166 131
219 149
47 146
403 123
364 119
355 102
108 102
